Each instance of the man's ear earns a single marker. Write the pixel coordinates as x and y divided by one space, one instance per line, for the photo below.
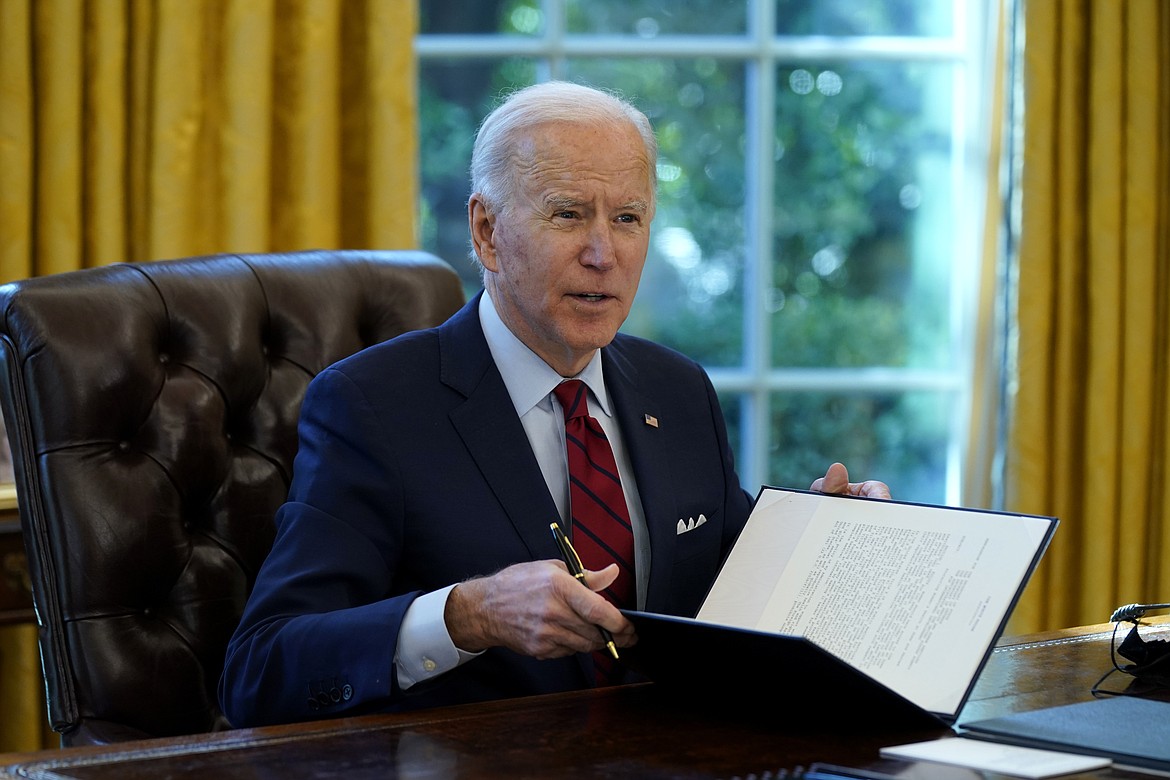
482 222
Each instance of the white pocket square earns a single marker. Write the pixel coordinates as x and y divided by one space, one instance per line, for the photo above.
689 524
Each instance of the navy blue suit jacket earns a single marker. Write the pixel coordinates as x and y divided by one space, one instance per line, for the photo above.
414 472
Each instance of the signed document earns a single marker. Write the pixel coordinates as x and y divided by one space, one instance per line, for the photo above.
912 595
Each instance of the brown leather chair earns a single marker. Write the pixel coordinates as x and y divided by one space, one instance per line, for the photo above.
152 412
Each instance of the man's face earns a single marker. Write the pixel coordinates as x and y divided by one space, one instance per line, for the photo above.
564 257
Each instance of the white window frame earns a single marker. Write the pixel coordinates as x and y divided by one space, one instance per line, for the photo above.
970 48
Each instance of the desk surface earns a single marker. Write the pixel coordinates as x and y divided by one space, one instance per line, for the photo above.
632 731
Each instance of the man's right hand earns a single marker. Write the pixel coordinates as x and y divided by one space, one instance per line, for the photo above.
537 609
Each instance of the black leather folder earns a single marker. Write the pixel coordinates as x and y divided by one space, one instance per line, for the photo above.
787 678
820 558
1131 731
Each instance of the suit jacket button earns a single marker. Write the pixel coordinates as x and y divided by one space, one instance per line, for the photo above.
347 692
335 694
323 698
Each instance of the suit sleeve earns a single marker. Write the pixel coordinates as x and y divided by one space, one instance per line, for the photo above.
319 631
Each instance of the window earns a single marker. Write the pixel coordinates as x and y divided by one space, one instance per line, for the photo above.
821 177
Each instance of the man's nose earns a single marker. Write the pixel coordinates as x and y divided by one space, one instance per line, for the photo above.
599 247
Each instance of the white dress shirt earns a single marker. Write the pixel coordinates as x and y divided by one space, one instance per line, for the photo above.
425 649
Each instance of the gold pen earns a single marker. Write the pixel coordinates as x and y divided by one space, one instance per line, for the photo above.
573 561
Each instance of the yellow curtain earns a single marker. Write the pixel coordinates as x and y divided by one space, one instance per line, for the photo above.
150 129
1091 436
146 130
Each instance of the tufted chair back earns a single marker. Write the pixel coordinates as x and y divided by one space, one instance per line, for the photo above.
152 412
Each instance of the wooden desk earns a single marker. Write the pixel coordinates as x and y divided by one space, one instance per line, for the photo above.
633 731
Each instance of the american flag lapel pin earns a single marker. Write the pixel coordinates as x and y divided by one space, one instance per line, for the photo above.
651 420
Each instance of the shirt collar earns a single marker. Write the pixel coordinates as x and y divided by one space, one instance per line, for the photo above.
530 380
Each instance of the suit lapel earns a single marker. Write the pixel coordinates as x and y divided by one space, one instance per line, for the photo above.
496 441
650 458
492 432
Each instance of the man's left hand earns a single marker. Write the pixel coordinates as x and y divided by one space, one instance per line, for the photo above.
836 480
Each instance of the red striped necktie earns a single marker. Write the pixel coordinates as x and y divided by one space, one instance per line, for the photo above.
602 532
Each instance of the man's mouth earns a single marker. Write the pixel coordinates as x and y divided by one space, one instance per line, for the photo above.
592 296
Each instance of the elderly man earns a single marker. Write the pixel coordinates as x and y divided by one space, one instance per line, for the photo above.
413 564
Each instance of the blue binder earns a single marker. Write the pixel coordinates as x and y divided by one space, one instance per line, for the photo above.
1131 731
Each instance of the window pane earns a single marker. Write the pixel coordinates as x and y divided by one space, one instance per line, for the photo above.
691 296
480 17
864 220
454 97
649 18
900 438
850 17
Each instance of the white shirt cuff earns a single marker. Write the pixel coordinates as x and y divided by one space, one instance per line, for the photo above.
425 649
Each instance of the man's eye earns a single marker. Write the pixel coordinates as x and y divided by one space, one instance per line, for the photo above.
629 219
565 214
